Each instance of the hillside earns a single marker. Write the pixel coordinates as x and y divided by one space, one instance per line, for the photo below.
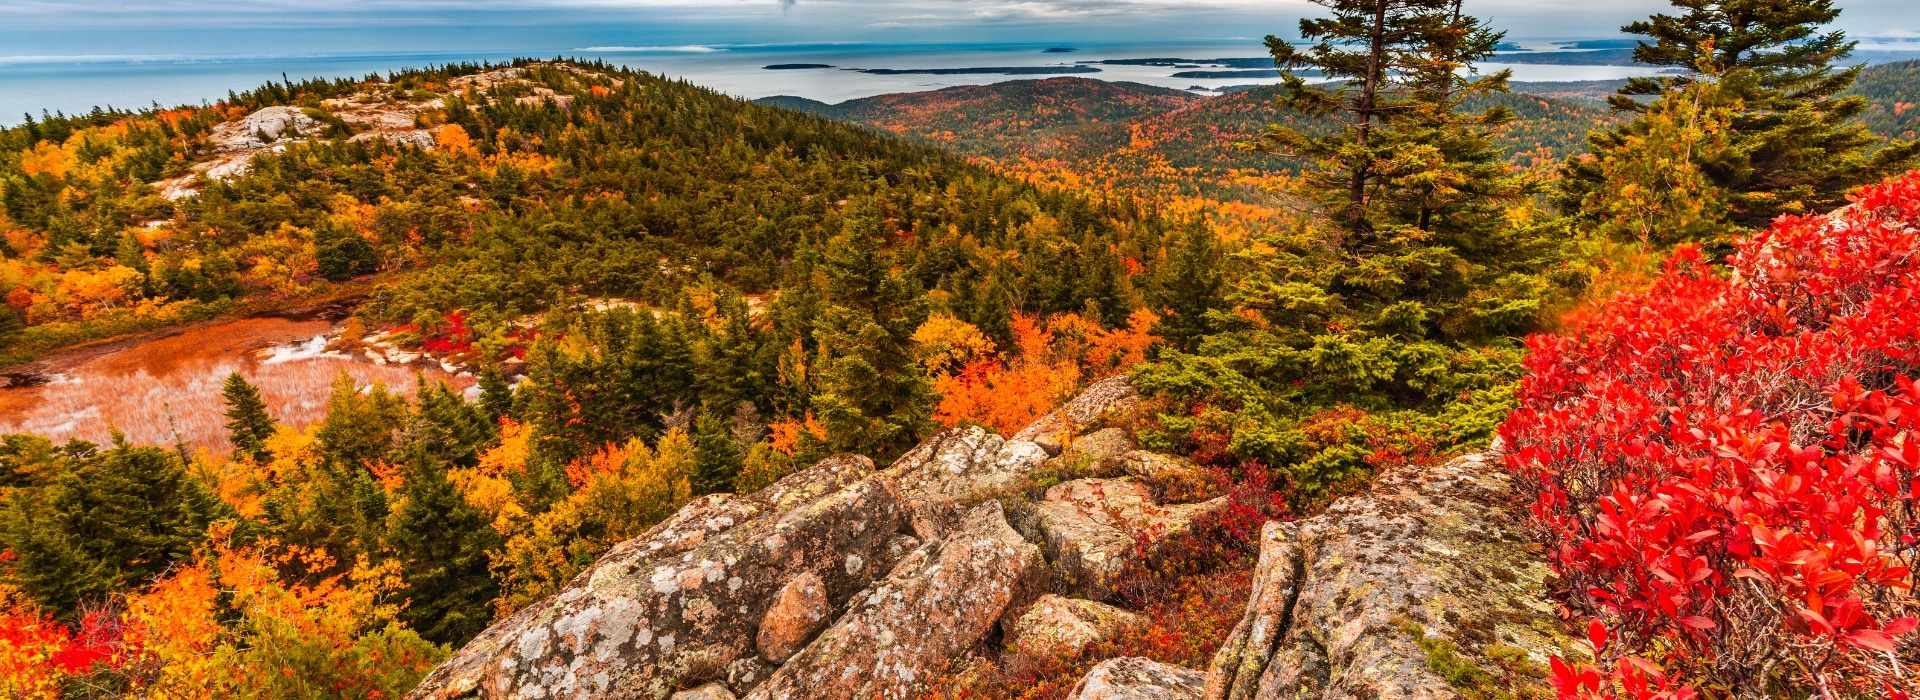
1893 95
1163 144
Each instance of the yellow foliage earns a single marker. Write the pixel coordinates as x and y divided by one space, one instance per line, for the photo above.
945 343
47 158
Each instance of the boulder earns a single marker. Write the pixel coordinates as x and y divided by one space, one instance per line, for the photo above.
1054 431
1173 479
1098 449
799 610
1135 678
1428 569
262 128
683 604
1091 525
964 464
710 691
937 603
1054 625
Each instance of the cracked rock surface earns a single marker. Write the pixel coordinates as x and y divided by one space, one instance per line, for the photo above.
939 601
1342 601
1056 625
682 604
1091 527
1135 678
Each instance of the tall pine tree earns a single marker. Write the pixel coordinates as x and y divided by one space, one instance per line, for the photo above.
248 425
868 390
1794 143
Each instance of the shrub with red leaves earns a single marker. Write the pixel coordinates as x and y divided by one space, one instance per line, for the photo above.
1725 466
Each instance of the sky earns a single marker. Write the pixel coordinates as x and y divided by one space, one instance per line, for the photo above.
64 28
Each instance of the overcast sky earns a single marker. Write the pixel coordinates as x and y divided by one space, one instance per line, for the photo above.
199 27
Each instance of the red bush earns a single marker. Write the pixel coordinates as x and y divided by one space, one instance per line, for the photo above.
1725 467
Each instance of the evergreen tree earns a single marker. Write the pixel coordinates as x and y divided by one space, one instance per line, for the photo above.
448 428
444 545
109 521
1794 143
716 456
496 396
869 392
248 425
1190 285
1396 92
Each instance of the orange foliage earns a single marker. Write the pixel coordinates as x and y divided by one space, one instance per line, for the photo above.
1048 363
789 435
452 138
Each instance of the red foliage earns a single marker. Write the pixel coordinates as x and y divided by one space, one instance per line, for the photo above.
1724 468
453 338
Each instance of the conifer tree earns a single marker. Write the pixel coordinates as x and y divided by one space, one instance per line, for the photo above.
109 520
1396 94
496 396
1794 143
444 545
869 392
716 456
1190 285
248 425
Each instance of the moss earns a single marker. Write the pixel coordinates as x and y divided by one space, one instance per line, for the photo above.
1518 677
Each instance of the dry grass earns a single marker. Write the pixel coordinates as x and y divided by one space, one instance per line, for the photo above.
168 389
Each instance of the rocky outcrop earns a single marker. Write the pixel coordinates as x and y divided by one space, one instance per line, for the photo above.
710 691
1054 431
942 599
1134 678
799 610
1428 569
964 464
1054 625
262 128
841 582
1092 527
684 603
1097 450
1172 479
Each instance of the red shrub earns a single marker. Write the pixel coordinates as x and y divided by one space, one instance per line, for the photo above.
1724 468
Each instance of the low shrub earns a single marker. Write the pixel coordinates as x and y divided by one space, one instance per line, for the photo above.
1725 470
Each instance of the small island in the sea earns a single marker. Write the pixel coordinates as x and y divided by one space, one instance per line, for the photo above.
796 66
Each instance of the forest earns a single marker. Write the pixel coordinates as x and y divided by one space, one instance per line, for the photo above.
668 293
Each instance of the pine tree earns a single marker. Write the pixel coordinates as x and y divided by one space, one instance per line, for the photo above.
248 425
496 395
109 520
1190 284
1794 143
1396 95
444 545
717 457
869 392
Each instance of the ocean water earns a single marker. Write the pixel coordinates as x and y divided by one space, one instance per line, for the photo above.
31 84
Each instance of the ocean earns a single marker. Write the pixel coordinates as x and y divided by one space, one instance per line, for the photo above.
31 84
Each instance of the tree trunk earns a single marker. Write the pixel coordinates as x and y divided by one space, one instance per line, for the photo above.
1357 187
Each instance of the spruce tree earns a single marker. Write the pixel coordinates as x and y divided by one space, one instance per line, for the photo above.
1189 285
1795 144
716 456
1395 95
248 425
869 392
110 520
444 545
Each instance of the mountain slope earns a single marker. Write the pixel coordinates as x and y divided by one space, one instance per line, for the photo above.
1166 144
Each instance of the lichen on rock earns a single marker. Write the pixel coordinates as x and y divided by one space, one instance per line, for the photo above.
1338 598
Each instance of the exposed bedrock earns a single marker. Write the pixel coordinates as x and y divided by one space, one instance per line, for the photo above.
678 606
1428 570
